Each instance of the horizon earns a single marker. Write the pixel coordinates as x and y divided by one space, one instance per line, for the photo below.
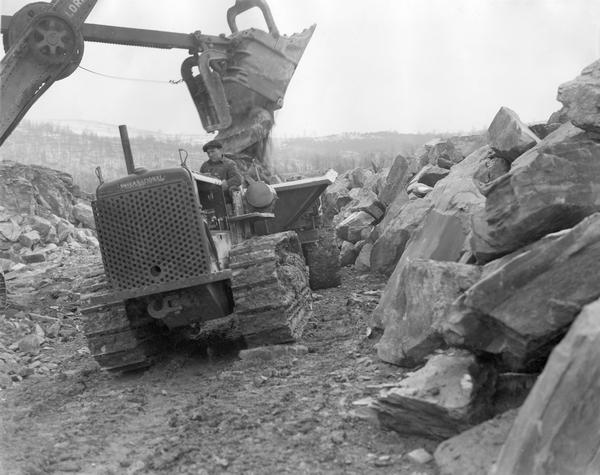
69 123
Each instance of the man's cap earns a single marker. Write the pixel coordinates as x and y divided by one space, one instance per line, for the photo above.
212 145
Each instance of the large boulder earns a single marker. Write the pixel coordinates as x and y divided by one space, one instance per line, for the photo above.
558 429
443 233
448 395
551 187
429 288
524 304
442 238
456 195
509 137
581 98
395 234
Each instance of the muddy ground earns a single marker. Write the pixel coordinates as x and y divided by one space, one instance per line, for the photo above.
193 413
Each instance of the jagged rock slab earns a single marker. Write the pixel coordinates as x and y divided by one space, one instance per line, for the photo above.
457 193
442 238
558 428
509 137
394 236
474 451
581 98
429 288
551 187
395 181
443 398
524 306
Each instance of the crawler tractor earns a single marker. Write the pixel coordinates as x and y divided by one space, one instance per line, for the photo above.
178 255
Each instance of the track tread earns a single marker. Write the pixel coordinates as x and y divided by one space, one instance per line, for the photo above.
272 300
119 338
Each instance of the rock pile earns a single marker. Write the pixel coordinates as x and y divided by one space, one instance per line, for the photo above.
40 209
492 258
44 219
354 207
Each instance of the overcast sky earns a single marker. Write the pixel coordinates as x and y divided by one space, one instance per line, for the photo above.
404 65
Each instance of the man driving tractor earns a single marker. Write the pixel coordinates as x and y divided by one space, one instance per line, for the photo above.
221 167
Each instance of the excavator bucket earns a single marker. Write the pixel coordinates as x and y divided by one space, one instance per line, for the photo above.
237 92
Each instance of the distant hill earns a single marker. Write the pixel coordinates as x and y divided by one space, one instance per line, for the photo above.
78 147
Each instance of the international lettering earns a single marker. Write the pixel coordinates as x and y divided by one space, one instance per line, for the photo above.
141 182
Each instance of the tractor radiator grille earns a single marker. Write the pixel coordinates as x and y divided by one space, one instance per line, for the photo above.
151 236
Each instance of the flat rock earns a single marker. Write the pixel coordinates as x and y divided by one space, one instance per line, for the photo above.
509 137
523 305
271 352
420 456
474 451
32 258
549 188
558 428
428 290
443 398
